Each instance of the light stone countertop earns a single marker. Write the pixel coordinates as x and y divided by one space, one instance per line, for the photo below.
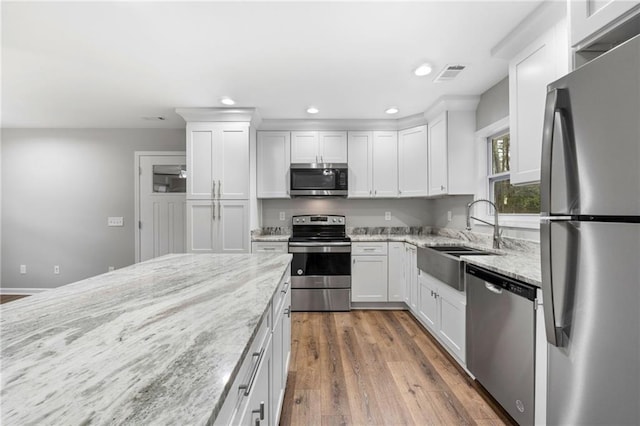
520 265
159 342
271 238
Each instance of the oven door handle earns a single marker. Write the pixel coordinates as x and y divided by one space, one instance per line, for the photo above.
324 248
333 244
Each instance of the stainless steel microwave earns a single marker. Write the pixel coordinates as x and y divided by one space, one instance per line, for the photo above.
319 180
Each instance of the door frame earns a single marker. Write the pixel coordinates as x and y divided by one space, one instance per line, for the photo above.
136 172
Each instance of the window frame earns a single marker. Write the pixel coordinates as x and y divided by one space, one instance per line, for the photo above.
485 177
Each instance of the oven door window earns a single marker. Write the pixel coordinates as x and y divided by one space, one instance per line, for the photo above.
313 179
321 263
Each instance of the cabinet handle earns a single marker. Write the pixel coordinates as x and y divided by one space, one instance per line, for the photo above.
247 387
322 159
219 189
369 249
213 211
285 288
399 191
257 421
288 312
268 248
370 192
354 261
316 158
442 187
259 411
213 188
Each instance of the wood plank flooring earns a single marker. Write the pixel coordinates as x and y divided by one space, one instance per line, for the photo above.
4 298
377 368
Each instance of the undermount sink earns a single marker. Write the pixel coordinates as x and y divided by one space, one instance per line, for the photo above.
444 263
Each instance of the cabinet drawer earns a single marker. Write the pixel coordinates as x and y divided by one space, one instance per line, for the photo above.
269 247
373 248
236 399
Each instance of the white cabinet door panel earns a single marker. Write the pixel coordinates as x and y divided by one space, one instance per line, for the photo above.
438 161
200 142
396 272
232 163
412 162
452 325
304 147
273 162
428 303
369 279
332 147
360 145
200 227
232 226
385 164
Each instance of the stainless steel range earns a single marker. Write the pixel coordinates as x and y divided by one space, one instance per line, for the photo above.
321 266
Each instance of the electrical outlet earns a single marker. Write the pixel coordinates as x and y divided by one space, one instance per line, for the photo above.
115 221
449 216
23 269
56 269
387 215
282 216
111 269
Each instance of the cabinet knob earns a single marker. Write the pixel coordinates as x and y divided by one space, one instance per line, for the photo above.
399 191
442 187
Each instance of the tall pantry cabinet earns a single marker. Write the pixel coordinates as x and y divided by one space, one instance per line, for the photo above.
217 184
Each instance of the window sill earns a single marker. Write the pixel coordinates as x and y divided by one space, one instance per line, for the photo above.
527 221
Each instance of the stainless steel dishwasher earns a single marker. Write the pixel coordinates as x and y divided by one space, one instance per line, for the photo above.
501 339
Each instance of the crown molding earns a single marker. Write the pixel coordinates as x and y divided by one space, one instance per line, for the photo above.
218 114
451 103
328 124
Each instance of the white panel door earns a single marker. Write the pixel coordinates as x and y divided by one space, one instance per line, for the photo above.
396 287
412 162
332 147
438 161
232 227
162 221
201 224
369 279
232 162
200 169
385 164
542 62
360 147
273 162
304 147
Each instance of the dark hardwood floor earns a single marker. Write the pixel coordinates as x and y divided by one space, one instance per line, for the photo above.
4 298
377 368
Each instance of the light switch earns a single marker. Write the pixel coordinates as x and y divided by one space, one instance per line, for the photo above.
387 215
281 215
115 221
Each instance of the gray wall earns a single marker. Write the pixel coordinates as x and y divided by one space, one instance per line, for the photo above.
404 212
494 104
58 188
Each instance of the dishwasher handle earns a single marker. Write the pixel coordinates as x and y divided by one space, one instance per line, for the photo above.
497 283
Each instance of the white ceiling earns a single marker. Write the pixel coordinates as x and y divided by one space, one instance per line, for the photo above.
104 65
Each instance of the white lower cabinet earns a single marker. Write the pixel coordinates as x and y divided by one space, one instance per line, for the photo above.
269 247
411 277
217 226
369 272
443 311
281 347
396 272
256 411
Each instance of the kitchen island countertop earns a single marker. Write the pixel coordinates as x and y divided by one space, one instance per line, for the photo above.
158 342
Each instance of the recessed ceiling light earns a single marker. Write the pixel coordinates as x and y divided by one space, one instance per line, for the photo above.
392 110
313 110
227 101
422 70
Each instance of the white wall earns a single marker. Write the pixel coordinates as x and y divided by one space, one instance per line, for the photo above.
404 212
58 188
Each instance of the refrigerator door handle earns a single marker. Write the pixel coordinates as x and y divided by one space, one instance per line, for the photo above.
547 150
547 285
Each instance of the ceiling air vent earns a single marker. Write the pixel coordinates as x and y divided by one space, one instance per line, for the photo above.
449 73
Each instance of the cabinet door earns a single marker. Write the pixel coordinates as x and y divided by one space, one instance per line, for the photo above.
369 279
438 161
396 287
200 174
412 162
451 330
428 302
231 160
201 224
411 278
530 72
304 147
280 362
232 226
360 146
273 162
332 147
385 164
590 18
258 410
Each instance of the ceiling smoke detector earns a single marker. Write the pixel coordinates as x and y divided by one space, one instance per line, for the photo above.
449 72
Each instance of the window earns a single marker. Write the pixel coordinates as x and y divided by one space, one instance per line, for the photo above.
510 199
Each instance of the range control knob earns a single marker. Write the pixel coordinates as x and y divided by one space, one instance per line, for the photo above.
300 272
335 220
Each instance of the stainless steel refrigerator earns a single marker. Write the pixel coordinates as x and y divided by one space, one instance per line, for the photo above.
590 241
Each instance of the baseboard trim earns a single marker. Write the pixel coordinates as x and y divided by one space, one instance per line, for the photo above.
20 291
381 306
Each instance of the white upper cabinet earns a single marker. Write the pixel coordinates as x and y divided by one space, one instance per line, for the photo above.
373 164
593 18
385 164
451 151
412 162
273 161
217 161
542 62
318 147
